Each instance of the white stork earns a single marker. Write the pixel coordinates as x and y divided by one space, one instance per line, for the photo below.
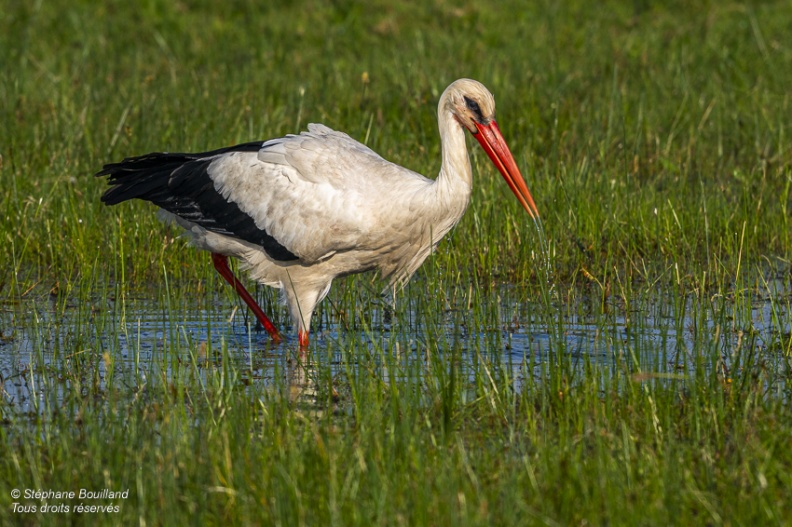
301 210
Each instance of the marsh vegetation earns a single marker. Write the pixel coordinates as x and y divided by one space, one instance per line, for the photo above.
637 372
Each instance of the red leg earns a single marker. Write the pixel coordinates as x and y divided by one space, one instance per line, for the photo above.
302 337
221 264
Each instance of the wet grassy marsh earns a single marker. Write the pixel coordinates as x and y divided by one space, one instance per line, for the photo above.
639 373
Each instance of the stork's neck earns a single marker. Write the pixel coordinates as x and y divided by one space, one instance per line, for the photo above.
455 181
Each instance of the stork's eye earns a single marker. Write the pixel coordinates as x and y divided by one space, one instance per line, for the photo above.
473 107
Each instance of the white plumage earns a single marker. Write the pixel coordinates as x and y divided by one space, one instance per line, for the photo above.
302 210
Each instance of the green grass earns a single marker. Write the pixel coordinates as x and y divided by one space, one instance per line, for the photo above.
643 377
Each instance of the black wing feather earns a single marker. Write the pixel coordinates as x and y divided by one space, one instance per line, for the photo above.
180 184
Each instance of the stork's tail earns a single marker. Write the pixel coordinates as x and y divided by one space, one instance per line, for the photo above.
145 177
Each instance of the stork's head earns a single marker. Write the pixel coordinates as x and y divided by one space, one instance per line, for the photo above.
473 106
470 103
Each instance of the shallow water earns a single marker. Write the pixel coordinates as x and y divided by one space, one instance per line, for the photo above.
49 350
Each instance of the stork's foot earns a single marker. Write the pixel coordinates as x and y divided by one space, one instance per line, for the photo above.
221 264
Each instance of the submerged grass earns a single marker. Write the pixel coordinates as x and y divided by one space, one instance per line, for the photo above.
635 372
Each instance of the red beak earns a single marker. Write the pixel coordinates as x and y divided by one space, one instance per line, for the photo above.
495 146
